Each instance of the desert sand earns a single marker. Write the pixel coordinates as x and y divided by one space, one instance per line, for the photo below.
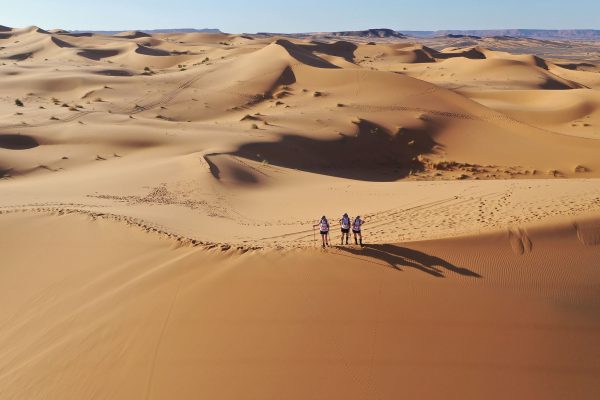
158 195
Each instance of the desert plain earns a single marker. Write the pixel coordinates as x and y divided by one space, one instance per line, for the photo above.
158 196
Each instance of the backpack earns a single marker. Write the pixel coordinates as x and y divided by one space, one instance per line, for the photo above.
345 222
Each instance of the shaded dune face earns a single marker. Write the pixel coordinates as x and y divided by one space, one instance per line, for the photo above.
98 54
141 49
61 43
227 170
373 153
114 72
341 49
17 142
304 54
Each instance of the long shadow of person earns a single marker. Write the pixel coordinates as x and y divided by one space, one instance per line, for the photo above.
398 257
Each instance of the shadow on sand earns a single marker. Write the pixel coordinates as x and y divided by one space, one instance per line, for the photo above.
398 257
370 153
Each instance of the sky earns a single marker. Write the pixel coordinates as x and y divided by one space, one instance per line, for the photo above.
237 16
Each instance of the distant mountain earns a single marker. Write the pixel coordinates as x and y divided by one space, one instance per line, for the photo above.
581 34
151 31
367 33
371 33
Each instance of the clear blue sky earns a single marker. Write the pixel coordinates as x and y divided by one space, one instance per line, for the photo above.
238 16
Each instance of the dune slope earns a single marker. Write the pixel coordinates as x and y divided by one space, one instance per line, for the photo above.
423 319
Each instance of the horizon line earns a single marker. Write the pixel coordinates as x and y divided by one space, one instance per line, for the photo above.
315 31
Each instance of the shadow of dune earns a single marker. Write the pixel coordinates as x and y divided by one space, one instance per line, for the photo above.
301 54
398 257
243 176
17 142
421 56
554 84
472 54
428 55
214 170
78 34
20 56
114 72
97 54
341 49
228 172
146 51
371 154
61 43
577 66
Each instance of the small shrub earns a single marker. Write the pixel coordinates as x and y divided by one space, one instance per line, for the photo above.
19 103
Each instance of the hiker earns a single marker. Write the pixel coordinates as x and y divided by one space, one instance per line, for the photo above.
324 228
356 229
345 224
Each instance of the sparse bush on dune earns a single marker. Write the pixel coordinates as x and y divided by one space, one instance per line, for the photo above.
19 103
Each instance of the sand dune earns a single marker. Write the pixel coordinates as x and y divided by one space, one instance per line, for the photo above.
188 322
132 35
158 195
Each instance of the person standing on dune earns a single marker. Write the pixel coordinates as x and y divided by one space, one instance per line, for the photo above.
356 229
324 229
345 224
